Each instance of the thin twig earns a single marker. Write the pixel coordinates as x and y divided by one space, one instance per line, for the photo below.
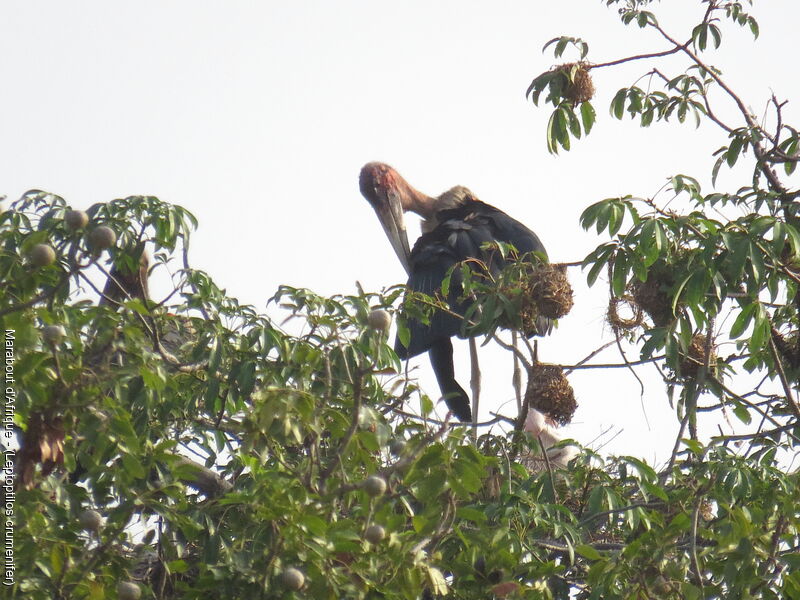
475 384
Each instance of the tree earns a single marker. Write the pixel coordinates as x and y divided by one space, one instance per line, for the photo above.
193 448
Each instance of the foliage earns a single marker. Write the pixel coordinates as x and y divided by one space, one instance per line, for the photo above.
707 268
223 450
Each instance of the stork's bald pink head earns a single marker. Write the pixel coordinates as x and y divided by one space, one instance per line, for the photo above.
388 194
375 180
380 182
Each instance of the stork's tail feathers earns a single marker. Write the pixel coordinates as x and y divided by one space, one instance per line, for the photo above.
441 355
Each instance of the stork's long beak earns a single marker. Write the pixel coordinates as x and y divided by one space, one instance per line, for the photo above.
390 214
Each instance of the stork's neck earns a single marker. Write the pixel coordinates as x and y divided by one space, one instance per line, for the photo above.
452 198
415 201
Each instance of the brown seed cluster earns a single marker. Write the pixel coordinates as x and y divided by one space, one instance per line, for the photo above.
652 296
788 346
579 87
43 444
617 321
545 292
694 358
550 393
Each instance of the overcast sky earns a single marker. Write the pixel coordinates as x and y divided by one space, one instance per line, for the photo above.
257 117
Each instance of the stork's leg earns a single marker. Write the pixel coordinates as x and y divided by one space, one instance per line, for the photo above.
441 355
516 378
475 381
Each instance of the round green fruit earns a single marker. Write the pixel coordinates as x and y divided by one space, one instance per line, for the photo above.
42 255
102 238
375 534
375 485
379 319
127 590
76 219
53 334
293 578
91 520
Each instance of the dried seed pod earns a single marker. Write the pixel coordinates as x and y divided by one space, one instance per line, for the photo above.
545 292
617 321
694 358
652 296
43 443
579 87
550 393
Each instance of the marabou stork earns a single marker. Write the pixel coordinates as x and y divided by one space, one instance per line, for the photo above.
125 282
455 226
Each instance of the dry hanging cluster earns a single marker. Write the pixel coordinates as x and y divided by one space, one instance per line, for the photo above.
545 292
616 320
695 357
550 393
650 297
579 87
43 443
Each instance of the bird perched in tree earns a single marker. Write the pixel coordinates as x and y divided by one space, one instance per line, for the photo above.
455 226
126 282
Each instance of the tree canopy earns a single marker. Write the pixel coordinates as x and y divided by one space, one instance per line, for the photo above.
194 447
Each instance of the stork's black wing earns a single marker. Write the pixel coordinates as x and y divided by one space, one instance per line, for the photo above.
459 236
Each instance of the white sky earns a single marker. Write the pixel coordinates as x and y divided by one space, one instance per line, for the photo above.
257 117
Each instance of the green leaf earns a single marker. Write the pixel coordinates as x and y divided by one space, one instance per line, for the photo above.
743 320
716 34
403 333
589 216
742 413
761 333
615 214
177 566
756 265
753 26
618 103
588 552
654 490
132 465
733 150
562 122
574 123
471 514
315 525
552 141
214 356
619 277
437 582
699 35
446 283
716 167
588 116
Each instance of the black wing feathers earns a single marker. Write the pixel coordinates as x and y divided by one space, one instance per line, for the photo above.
459 236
